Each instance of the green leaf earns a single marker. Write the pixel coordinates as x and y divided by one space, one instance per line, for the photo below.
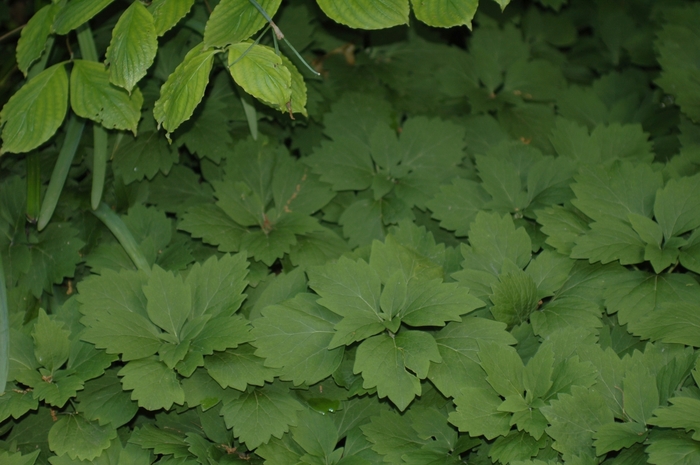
104 400
234 21
640 394
217 285
76 13
574 418
363 14
351 290
133 47
258 415
671 323
51 342
143 156
238 368
316 434
682 414
649 230
169 301
457 205
261 73
566 312
616 436
393 435
95 98
294 336
517 445
154 385
79 438
458 344
32 42
609 240
36 111
537 376
19 459
445 13
503 367
384 361
213 226
562 227
477 413
167 13
15 402
676 206
184 89
514 298
549 270
673 448
431 303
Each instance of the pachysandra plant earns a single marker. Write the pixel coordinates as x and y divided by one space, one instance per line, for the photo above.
456 246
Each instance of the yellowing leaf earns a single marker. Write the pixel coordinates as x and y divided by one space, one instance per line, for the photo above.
93 97
261 73
233 21
367 14
36 111
76 13
167 13
446 13
133 47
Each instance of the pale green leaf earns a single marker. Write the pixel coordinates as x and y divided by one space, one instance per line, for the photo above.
36 111
238 368
51 342
76 13
616 436
234 21
167 13
169 300
154 385
184 89
673 448
367 14
299 96
258 415
261 73
445 13
79 438
477 413
517 445
217 285
93 96
32 42
683 413
133 47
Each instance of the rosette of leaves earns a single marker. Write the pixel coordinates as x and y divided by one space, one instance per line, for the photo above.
32 260
385 171
381 308
265 200
626 212
162 325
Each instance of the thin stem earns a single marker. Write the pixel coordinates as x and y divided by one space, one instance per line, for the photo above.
7 35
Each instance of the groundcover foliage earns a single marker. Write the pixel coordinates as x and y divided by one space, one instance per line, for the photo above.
454 246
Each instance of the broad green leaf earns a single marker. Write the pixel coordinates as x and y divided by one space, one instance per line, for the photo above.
517 445
79 438
36 111
167 13
51 342
154 385
457 204
676 206
238 368
170 441
445 13
573 420
683 413
32 42
514 298
393 435
104 400
672 448
133 47
649 230
671 323
19 459
566 312
294 337
92 96
261 73
76 13
384 361
57 389
616 436
364 14
503 367
217 285
213 226
184 89
640 394
562 227
350 289
458 344
299 95
142 157
430 303
477 413
316 434
258 415
169 301
608 240
16 402
549 270
234 21
537 376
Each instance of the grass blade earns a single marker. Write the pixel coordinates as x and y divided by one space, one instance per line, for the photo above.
123 235
99 164
4 332
33 186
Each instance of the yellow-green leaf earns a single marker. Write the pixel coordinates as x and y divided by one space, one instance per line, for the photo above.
233 21
92 96
298 97
367 14
76 13
133 47
36 111
445 13
184 89
167 13
32 42
261 73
